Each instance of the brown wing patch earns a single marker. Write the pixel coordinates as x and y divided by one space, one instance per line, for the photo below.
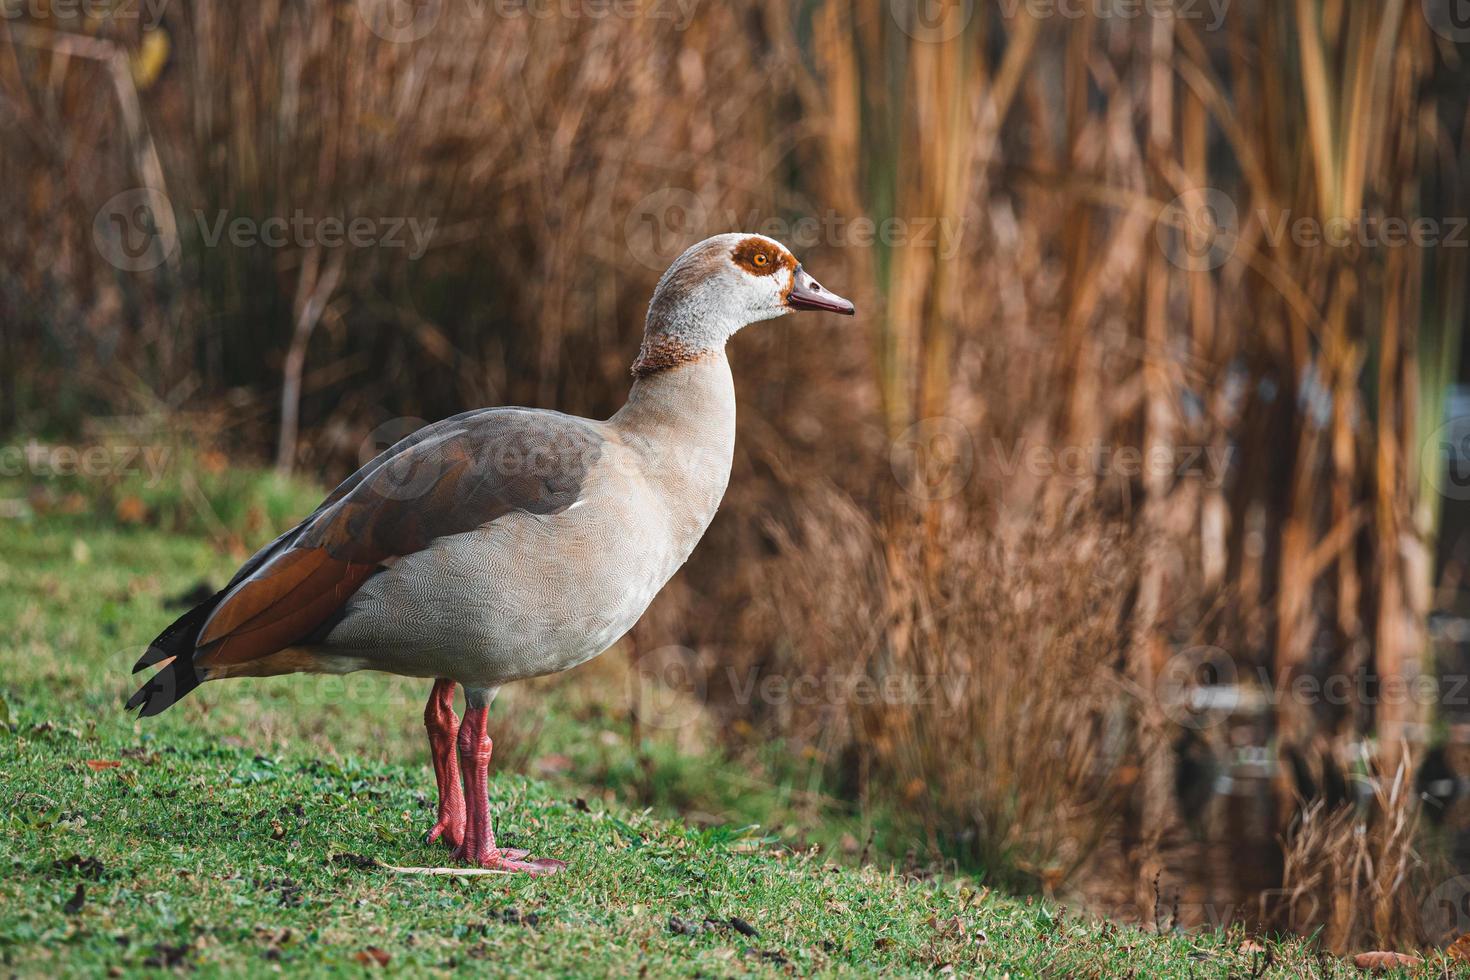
761 257
453 477
301 590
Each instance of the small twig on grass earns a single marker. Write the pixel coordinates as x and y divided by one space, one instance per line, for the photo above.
465 872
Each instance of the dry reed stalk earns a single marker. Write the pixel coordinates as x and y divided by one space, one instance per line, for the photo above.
995 719
1353 871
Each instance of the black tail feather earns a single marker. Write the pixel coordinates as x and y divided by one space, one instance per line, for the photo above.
180 636
179 676
166 687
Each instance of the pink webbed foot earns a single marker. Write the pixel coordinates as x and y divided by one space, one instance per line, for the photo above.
510 860
479 847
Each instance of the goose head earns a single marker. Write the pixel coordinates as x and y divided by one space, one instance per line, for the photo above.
720 285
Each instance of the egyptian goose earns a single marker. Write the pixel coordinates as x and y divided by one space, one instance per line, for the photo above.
503 543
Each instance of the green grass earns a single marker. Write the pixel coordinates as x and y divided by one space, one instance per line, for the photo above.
239 831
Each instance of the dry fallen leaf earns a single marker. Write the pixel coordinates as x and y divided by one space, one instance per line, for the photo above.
1460 949
131 510
372 956
1383 960
100 764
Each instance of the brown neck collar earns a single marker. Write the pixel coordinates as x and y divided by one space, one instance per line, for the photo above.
663 351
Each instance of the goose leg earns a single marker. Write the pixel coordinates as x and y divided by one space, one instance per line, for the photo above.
443 727
479 839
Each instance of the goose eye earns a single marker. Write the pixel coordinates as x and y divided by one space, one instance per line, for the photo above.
761 258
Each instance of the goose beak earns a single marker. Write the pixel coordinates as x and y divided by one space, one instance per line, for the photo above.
808 294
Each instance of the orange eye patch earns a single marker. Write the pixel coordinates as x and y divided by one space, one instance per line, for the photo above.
760 257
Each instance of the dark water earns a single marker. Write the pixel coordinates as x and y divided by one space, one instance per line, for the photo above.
1220 865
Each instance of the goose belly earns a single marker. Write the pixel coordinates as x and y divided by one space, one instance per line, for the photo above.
527 595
